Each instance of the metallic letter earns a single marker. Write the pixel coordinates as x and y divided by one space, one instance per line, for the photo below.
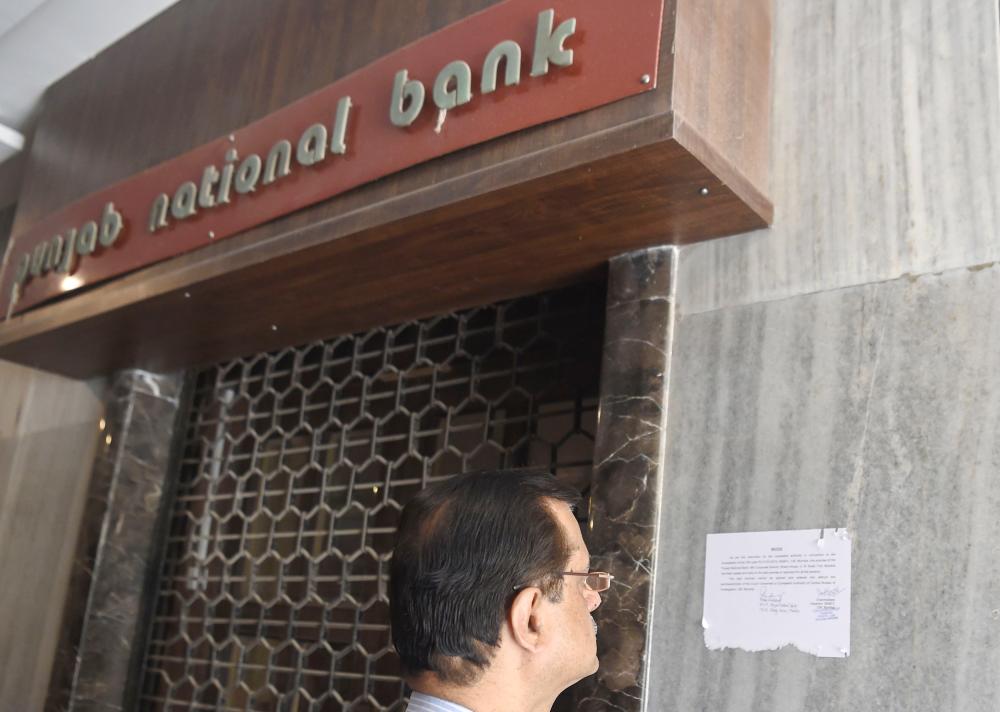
227 177
158 213
403 90
338 141
509 50
279 161
23 265
208 179
549 44
446 98
111 225
312 145
69 251
87 240
38 258
52 260
185 198
248 174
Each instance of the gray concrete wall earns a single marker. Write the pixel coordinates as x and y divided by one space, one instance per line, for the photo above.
841 368
876 408
885 152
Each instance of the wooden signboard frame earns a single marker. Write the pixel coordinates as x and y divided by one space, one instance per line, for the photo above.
545 206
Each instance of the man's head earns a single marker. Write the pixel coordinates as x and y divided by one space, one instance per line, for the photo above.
478 585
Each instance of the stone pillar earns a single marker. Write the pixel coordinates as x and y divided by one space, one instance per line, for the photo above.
119 546
628 471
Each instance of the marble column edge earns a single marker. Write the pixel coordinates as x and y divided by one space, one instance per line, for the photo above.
629 452
119 543
182 397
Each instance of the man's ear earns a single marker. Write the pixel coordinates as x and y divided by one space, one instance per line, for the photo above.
525 618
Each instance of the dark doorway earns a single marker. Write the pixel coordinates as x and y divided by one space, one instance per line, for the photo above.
296 465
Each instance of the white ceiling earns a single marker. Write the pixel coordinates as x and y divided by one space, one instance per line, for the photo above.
43 40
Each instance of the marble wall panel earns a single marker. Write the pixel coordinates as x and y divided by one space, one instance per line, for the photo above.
885 152
628 456
873 407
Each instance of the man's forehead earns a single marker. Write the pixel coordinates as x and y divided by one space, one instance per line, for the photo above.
564 515
562 510
571 528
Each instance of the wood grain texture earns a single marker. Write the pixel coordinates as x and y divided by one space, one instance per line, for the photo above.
526 212
11 176
433 258
373 147
48 433
885 152
200 70
722 81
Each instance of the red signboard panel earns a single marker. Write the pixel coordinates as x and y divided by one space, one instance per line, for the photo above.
615 50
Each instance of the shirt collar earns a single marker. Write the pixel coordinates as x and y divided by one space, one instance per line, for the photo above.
419 702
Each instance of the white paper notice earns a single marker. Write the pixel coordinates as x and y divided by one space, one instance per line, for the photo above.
765 590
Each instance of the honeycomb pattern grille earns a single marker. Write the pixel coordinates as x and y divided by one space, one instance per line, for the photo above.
296 465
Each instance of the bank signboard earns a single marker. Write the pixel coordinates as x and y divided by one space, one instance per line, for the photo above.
517 64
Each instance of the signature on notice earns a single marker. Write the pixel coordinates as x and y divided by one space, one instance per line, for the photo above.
825 606
774 602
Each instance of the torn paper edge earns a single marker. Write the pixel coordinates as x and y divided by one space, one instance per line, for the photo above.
820 651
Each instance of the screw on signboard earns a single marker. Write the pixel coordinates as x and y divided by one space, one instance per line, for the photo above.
645 79
703 191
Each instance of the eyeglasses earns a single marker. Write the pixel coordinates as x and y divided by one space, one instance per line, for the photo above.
595 580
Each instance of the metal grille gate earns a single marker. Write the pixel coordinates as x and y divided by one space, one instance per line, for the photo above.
272 594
